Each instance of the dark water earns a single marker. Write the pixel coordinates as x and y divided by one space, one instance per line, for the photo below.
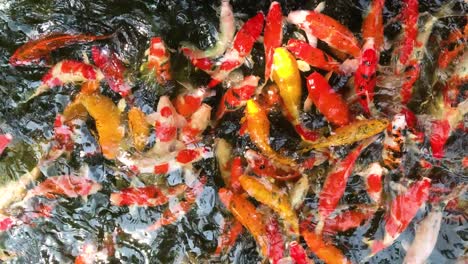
74 222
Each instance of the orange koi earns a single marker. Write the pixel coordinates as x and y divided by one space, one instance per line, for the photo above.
324 250
145 196
68 71
186 103
262 166
372 26
90 87
4 141
273 35
402 210
246 213
327 101
335 184
313 56
198 122
107 118
112 69
453 46
272 196
228 237
67 185
158 61
34 51
139 128
237 96
258 128
241 48
326 29
176 212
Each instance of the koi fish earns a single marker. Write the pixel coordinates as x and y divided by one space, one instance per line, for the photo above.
198 122
425 239
166 124
237 96
299 192
227 28
348 219
335 184
112 69
374 182
402 210
326 29
139 129
186 103
313 56
67 185
453 46
68 71
273 35
459 76
258 128
246 213
237 169
354 132
223 154
372 26
107 117
262 191
394 142
327 101
325 251
205 64
298 253
4 141
15 191
228 237
176 211
263 167
275 240
241 47
158 61
365 77
410 15
145 196
90 87
34 51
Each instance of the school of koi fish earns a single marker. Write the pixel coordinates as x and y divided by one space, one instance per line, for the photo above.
265 188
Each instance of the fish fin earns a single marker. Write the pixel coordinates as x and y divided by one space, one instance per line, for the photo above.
405 244
308 104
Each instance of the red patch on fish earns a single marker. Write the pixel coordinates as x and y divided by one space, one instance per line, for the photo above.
187 155
440 132
4 141
161 169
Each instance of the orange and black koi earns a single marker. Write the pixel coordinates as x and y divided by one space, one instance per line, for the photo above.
33 51
262 166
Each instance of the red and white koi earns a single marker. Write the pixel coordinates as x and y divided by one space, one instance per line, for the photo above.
158 61
313 56
4 141
335 184
327 101
373 176
348 219
410 16
237 96
186 103
67 185
176 211
241 48
112 68
145 196
68 71
394 142
197 123
230 233
298 253
453 46
227 28
275 240
326 29
273 35
167 122
401 211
